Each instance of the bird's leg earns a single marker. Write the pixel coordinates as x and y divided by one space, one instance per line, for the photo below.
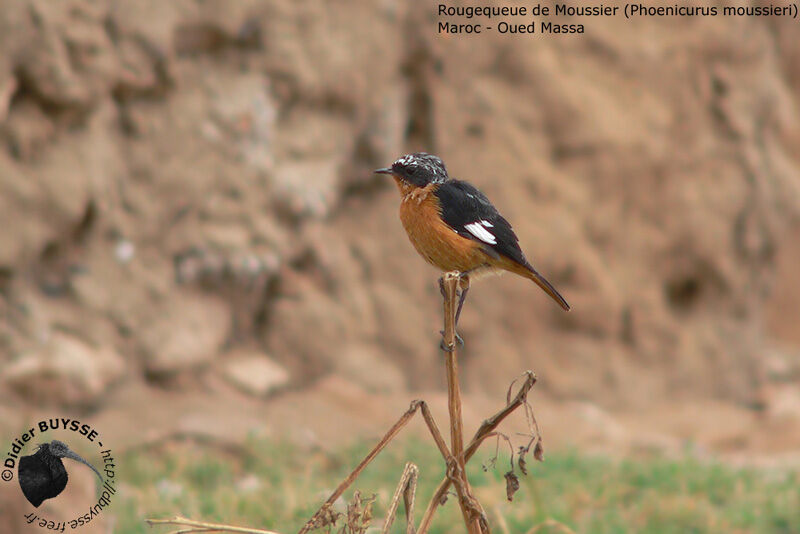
463 284
463 287
461 294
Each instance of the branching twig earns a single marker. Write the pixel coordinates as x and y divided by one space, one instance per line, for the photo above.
314 522
325 514
456 459
487 427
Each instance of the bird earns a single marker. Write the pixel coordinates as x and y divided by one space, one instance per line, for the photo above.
454 227
42 475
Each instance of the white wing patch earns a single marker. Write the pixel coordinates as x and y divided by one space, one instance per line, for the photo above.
478 229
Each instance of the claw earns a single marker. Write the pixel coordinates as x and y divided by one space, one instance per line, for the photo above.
459 339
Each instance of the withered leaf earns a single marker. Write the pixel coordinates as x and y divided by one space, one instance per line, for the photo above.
523 451
523 464
512 485
538 451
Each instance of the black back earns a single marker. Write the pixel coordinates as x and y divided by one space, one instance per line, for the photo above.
462 204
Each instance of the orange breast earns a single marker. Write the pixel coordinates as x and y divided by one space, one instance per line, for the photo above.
433 239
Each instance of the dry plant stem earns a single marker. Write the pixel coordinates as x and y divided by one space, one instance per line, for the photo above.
469 506
487 427
389 436
501 520
437 435
456 460
453 387
201 526
408 481
561 527
490 424
407 488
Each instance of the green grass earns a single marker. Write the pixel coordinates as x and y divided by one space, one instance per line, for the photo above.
276 486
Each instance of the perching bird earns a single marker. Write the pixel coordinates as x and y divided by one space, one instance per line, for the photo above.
42 475
455 227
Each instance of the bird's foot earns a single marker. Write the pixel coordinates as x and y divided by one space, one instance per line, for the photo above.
447 348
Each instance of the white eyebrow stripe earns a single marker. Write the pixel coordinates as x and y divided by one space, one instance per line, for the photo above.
480 232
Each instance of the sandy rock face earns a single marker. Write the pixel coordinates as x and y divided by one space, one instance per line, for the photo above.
370 369
655 184
64 370
188 331
254 373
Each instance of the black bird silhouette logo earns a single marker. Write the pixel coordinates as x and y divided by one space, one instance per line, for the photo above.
42 475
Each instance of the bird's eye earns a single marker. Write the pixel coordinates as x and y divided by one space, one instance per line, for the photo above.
411 170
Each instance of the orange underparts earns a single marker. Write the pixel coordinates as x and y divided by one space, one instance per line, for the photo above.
439 244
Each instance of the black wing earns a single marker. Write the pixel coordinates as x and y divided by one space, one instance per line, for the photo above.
467 211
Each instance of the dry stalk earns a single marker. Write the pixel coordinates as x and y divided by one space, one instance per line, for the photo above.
403 421
407 488
487 427
547 523
202 526
501 520
325 515
474 516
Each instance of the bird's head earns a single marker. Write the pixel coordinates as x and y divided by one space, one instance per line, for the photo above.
418 169
59 449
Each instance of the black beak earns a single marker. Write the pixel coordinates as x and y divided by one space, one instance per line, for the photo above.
385 170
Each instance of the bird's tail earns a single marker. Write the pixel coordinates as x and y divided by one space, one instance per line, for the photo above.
529 272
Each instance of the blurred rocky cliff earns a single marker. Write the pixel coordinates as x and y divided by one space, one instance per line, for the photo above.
185 194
